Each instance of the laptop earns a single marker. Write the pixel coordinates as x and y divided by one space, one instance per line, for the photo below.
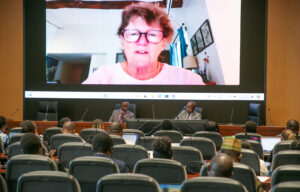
169 188
130 138
268 143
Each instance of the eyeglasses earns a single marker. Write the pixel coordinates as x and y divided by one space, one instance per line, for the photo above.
133 36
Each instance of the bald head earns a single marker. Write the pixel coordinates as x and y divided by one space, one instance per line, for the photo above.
190 107
220 166
116 128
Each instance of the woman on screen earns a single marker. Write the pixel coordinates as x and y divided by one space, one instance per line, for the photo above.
145 30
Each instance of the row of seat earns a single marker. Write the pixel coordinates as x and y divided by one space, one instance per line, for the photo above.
88 170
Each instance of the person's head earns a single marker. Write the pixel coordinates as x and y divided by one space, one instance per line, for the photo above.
295 145
162 148
2 123
287 134
220 166
116 128
102 143
190 107
124 106
144 31
68 128
97 123
250 127
167 125
293 125
246 145
31 144
211 126
28 127
232 147
62 121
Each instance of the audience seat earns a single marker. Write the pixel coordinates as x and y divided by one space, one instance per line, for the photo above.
164 171
287 157
204 145
69 151
117 140
88 170
14 130
48 181
257 147
250 158
88 134
49 132
190 157
248 136
175 136
126 182
59 139
146 142
281 146
291 186
14 149
212 184
214 136
285 173
15 138
24 163
130 154
3 187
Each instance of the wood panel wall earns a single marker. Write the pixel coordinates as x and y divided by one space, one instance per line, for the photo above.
283 60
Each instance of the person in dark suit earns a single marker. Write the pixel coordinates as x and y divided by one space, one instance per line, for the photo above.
103 144
189 113
121 115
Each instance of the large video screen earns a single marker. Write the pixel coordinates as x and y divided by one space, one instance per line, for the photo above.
217 51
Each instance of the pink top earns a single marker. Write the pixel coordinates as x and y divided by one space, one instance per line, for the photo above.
169 75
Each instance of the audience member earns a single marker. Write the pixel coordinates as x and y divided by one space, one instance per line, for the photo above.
262 164
116 128
68 128
293 125
232 147
250 127
28 127
98 123
3 127
31 144
211 126
62 121
121 115
295 145
103 145
162 148
220 166
189 113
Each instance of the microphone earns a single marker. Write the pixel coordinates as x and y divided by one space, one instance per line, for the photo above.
46 112
269 111
10 117
153 112
86 110
231 115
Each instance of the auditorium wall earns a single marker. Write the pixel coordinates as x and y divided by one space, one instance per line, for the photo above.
283 60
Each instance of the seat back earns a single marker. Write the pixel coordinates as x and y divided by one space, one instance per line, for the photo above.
146 142
287 157
122 182
59 139
190 157
242 173
69 151
48 181
214 136
175 136
250 158
204 145
285 173
134 131
249 136
257 147
254 113
14 149
164 171
47 110
3 187
215 184
117 140
291 186
88 134
130 154
281 146
49 132
88 170
14 131
24 163
15 138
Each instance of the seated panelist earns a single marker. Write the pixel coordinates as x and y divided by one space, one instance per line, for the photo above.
189 113
121 115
